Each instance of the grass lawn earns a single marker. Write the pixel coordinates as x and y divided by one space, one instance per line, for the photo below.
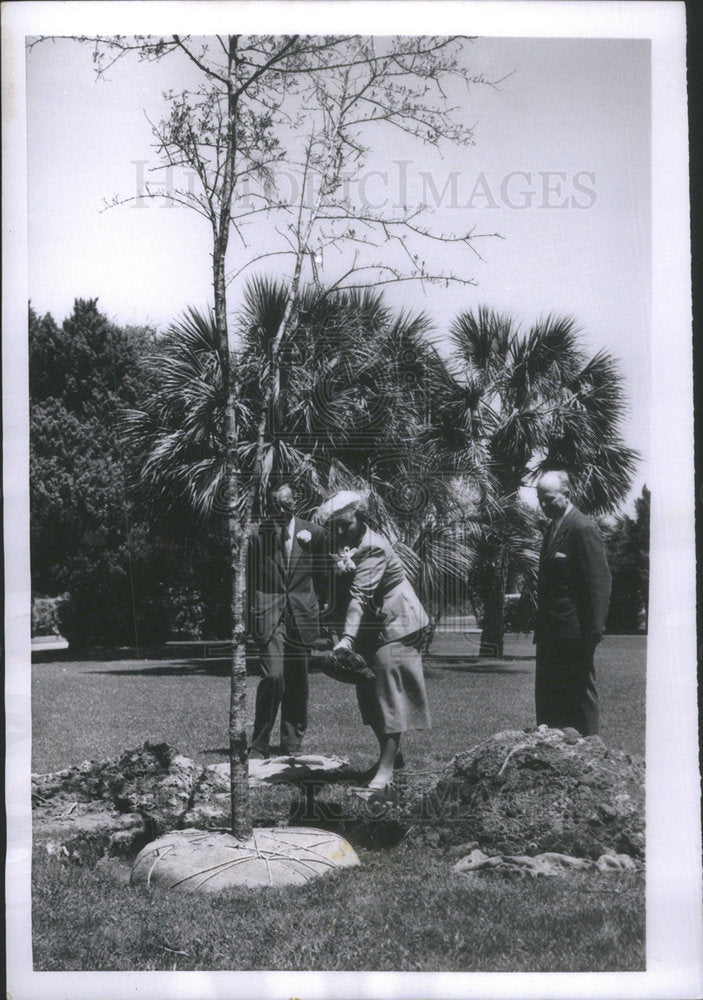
95 710
403 910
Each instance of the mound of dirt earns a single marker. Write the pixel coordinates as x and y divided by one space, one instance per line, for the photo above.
117 806
544 790
525 792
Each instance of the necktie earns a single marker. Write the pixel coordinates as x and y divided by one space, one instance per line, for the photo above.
551 528
285 543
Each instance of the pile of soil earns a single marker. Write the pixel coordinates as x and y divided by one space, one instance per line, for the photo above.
544 790
117 806
518 792
113 806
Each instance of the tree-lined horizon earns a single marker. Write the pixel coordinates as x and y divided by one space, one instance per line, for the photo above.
365 402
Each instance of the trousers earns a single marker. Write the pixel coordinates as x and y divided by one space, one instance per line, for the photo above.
565 684
284 684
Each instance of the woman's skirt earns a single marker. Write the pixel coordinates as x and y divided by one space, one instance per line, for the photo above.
397 701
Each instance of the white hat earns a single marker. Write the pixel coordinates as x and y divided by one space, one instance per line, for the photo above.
344 502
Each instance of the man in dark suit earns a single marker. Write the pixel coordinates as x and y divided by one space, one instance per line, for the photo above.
573 592
286 583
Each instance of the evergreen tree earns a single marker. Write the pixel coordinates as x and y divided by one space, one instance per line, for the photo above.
82 540
627 545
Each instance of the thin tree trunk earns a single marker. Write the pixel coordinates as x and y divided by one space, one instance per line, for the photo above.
492 634
239 786
239 770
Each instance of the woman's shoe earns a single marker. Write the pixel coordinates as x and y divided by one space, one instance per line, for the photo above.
380 787
366 793
364 777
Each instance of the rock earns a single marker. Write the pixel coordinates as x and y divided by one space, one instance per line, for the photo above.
197 861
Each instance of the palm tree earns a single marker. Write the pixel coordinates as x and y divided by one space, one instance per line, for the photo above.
507 543
176 439
355 387
525 403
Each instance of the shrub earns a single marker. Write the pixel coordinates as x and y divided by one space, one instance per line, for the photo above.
46 613
518 613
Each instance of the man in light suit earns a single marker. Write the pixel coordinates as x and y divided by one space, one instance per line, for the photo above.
573 592
286 583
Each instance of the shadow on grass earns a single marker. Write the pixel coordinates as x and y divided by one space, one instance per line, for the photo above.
467 665
475 657
102 653
216 666
114 654
220 666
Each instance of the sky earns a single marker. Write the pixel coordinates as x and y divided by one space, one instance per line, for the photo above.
557 177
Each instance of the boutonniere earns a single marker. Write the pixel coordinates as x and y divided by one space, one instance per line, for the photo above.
303 536
343 562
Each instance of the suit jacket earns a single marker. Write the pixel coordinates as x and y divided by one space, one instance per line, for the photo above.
391 609
274 588
573 588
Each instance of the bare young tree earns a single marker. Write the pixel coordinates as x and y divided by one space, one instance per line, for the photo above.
318 105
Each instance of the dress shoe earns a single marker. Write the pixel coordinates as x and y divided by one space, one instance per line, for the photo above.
256 754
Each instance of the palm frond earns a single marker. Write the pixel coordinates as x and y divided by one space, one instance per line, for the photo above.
482 340
549 353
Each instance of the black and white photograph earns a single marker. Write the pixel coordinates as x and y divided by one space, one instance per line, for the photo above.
348 501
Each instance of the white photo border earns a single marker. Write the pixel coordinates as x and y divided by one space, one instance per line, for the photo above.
674 927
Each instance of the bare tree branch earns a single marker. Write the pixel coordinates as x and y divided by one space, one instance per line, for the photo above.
207 70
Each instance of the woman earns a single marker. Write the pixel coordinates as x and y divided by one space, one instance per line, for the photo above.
383 621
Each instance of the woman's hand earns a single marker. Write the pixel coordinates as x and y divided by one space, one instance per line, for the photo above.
346 642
